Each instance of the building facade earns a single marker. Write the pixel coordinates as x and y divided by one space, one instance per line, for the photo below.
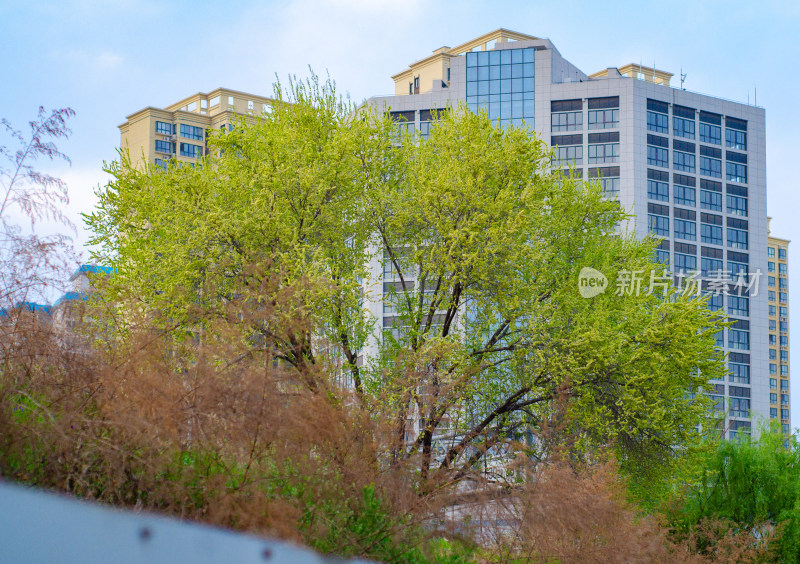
180 131
778 297
689 167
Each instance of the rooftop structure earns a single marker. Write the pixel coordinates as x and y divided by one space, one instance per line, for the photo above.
179 131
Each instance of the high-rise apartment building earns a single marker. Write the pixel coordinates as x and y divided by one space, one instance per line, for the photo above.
179 131
778 298
690 168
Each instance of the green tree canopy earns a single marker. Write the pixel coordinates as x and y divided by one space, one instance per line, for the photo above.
482 248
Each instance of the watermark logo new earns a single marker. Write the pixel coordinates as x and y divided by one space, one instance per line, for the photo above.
591 282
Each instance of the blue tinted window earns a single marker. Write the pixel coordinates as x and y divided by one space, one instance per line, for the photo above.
684 195
711 167
710 133
658 190
163 128
683 128
164 147
658 225
189 150
502 82
191 132
685 229
657 122
683 161
710 200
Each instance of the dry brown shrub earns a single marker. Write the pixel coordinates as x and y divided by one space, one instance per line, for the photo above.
208 427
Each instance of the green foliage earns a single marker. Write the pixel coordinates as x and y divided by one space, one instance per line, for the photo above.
746 486
486 246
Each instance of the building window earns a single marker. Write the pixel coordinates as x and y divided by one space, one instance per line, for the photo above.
783 311
164 147
738 339
683 161
569 155
657 122
740 373
740 407
715 304
685 229
610 187
771 281
685 263
782 268
711 167
683 128
603 119
784 370
657 156
658 224
710 133
710 266
684 195
566 121
189 150
771 294
737 269
163 128
736 139
771 268
161 164
782 254
783 299
710 200
736 172
737 238
718 400
711 234
191 132
773 383
771 252
503 83
738 306
785 385
604 153
658 190
773 412
773 398
214 101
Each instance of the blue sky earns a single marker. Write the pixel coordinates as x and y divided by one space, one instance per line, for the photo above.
107 59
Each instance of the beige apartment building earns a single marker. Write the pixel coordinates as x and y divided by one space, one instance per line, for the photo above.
778 293
180 131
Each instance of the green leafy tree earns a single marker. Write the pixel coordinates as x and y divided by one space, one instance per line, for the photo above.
484 247
743 486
